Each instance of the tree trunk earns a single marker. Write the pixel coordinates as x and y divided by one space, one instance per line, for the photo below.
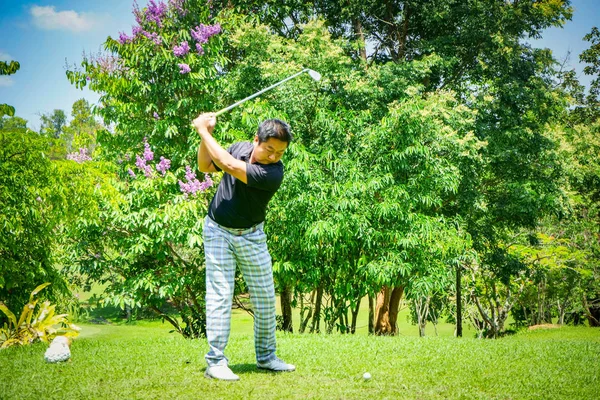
303 320
285 298
395 306
355 317
592 312
540 298
458 302
404 35
358 32
345 318
371 315
386 312
422 309
315 328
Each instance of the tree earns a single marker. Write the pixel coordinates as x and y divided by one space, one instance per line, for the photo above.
582 230
81 132
31 205
483 56
145 242
53 124
13 124
8 69
592 56
451 93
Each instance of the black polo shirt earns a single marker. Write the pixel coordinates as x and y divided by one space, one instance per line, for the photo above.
240 205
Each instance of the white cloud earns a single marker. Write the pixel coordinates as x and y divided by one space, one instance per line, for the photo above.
5 57
5 81
49 19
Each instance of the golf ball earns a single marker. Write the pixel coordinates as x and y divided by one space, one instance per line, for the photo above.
366 376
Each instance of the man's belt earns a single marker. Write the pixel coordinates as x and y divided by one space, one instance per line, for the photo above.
239 231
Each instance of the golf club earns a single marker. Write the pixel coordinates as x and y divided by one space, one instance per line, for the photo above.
313 74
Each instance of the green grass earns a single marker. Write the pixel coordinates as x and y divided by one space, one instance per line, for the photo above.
145 361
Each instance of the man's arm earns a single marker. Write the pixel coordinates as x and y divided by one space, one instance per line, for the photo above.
205 163
205 124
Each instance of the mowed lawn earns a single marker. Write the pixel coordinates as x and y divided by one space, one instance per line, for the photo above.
145 361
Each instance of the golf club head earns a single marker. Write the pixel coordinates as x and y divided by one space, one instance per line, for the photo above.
314 74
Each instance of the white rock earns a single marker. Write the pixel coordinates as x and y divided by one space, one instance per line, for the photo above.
58 351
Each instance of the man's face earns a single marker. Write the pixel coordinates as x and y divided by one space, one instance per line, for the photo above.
269 152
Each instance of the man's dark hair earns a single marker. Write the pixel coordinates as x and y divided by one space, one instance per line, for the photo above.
274 128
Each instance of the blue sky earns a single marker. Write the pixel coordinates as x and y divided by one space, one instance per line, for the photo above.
42 34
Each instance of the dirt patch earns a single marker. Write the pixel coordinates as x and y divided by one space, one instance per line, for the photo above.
543 326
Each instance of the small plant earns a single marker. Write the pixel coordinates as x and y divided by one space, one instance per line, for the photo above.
33 326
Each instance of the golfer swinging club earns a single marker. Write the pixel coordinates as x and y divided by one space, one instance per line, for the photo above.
233 235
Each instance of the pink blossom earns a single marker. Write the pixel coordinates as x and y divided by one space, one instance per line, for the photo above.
80 157
184 68
163 165
193 185
182 49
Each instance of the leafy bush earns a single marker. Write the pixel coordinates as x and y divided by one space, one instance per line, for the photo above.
33 326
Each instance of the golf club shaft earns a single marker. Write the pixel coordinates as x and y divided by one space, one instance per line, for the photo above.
259 93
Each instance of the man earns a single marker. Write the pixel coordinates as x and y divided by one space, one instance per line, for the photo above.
233 235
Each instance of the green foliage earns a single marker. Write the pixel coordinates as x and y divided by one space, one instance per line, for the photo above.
360 206
5 109
430 152
53 124
15 124
465 33
82 130
592 56
145 241
34 326
31 209
8 69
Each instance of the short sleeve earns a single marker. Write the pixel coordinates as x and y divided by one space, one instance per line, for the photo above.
265 177
230 150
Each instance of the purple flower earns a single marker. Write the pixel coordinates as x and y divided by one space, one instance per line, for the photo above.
80 157
39 199
89 78
139 15
189 174
193 185
140 162
208 182
127 157
203 32
199 49
177 5
184 68
153 36
136 30
163 165
148 154
182 49
148 171
131 173
123 38
155 12
156 116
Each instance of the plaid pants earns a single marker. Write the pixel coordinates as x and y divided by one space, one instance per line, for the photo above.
224 249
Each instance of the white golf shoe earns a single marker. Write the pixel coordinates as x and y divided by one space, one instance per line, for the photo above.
221 372
276 365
